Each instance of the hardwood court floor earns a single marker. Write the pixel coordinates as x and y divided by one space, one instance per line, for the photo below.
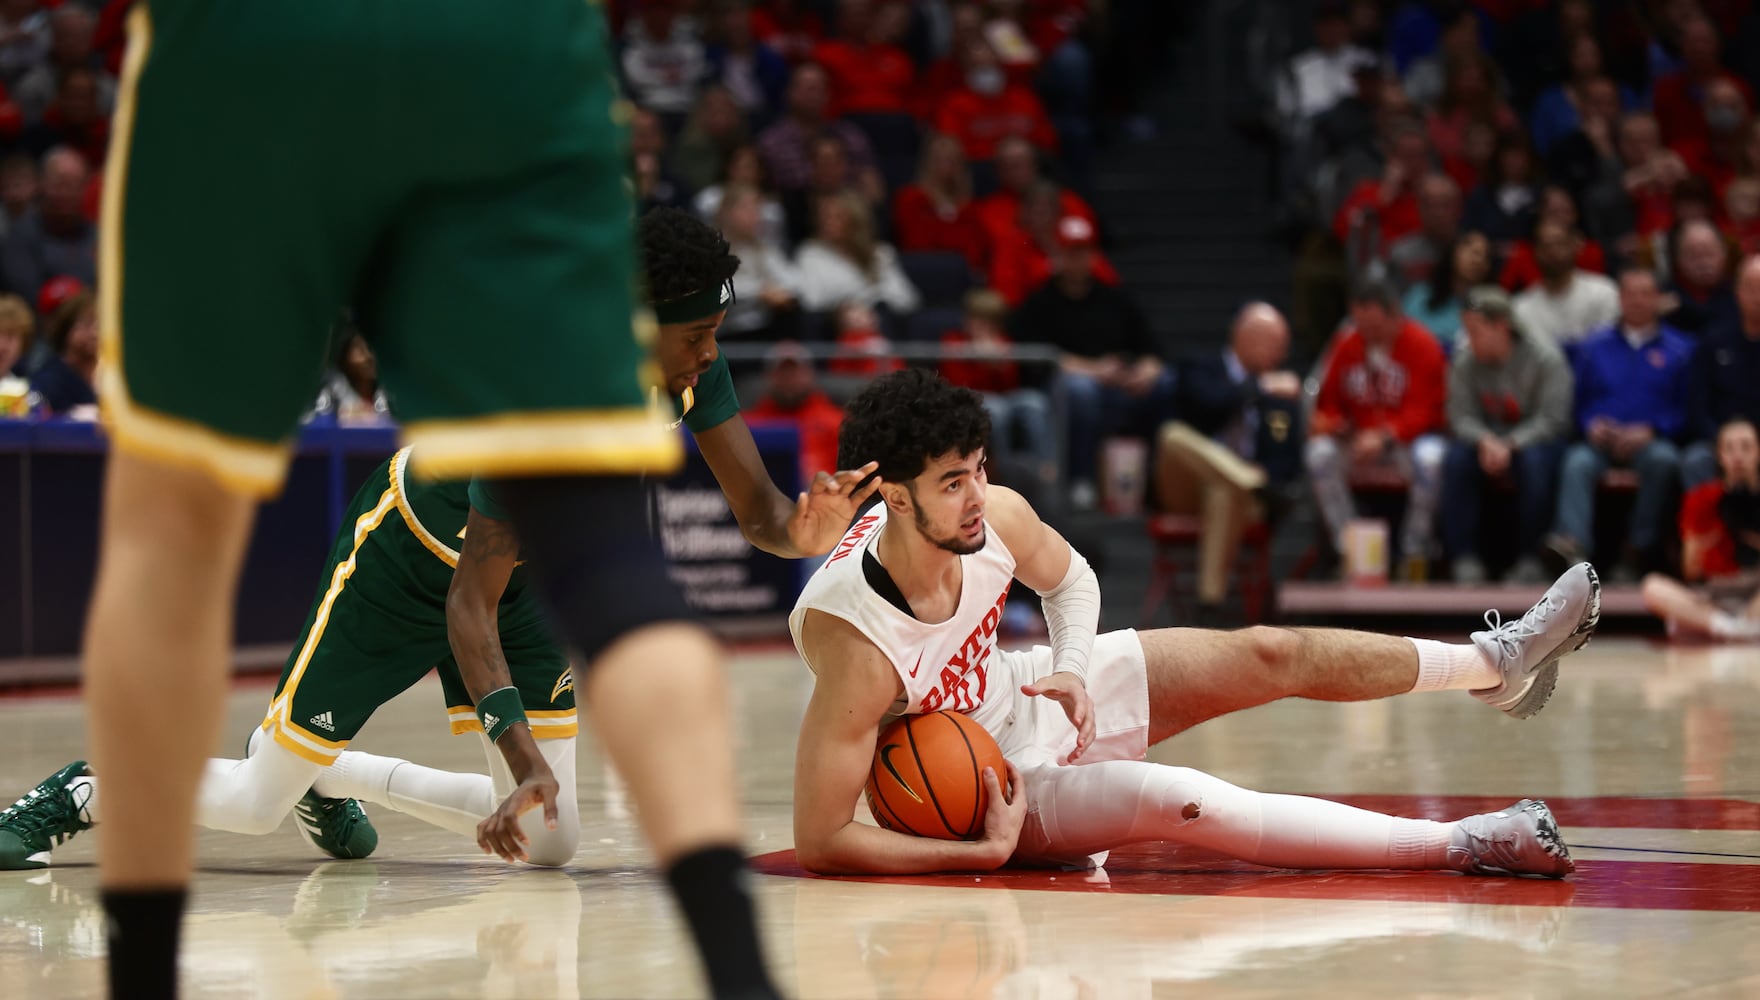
1649 754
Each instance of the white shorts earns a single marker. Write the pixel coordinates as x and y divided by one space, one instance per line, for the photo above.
1037 731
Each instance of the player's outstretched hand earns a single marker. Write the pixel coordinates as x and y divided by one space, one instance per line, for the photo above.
823 512
1068 690
1004 815
500 833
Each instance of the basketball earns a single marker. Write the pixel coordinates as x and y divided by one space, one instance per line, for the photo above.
927 778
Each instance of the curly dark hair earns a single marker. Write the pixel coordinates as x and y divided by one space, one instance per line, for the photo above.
905 418
681 254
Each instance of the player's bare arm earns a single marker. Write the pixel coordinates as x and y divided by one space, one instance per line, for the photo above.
854 688
485 563
806 526
1046 562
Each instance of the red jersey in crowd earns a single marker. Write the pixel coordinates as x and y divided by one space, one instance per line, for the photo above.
1399 217
1403 392
980 121
816 419
1678 106
918 225
1700 517
1018 266
866 78
1000 214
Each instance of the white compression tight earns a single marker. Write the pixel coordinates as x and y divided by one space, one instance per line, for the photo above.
1089 808
458 802
253 795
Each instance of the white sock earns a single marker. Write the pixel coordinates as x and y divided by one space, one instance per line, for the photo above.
1447 666
447 799
1727 626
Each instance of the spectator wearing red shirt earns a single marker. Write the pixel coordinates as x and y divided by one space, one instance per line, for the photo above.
1391 199
1718 154
1521 269
788 26
987 108
937 212
792 397
1017 172
1720 544
946 74
1028 259
1020 416
1680 97
1381 405
869 72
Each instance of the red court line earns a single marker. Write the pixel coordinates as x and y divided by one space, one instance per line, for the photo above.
1168 870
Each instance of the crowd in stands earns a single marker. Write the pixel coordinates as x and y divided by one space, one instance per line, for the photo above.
1530 258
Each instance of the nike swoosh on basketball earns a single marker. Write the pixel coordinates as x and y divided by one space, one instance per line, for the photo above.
886 762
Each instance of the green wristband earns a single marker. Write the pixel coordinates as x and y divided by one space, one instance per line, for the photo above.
500 709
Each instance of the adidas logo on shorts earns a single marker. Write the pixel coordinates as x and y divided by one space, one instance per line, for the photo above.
324 722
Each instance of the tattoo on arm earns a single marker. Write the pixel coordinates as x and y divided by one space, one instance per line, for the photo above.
491 539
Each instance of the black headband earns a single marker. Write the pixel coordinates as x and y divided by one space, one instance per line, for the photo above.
697 305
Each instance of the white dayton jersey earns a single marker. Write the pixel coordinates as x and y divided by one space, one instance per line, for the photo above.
944 665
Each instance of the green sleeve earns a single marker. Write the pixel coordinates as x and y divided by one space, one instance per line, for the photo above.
485 502
713 401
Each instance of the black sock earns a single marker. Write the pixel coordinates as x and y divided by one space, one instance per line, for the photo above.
142 928
712 888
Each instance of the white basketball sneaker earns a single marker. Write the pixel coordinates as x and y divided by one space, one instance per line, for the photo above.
1527 650
1520 840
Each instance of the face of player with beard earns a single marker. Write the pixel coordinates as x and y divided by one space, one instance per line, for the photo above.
947 502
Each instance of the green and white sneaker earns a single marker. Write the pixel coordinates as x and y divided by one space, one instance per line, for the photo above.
338 827
43 819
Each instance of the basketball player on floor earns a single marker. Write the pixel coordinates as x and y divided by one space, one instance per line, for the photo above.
901 620
394 608
489 256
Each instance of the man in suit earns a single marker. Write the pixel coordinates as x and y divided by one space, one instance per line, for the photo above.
1237 442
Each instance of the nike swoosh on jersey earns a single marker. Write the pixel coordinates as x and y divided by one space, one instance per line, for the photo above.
917 666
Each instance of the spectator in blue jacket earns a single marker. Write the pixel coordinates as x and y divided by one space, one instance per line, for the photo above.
1632 382
1726 377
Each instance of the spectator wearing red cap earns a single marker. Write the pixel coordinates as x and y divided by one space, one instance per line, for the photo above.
56 291
56 238
987 108
1113 376
1017 172
1025 260
869 72
792 397
66 380
937 212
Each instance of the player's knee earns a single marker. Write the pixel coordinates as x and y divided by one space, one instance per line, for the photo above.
1180 795
1656 590
549 848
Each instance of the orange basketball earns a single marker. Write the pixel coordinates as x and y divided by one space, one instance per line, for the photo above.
927 778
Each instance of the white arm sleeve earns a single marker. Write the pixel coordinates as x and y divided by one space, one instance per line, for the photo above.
1072 616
